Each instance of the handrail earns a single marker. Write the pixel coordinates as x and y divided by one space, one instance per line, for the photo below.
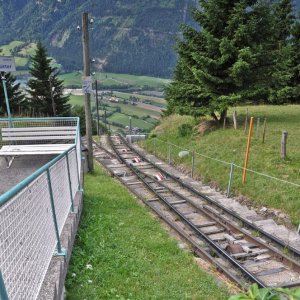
16 189
40 119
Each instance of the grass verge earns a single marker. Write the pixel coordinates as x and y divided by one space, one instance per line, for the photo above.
121 252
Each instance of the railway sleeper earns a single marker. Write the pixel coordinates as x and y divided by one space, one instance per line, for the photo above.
206 224
245 255
213 230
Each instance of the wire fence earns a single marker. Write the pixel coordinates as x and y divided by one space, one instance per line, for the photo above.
32 216
265 189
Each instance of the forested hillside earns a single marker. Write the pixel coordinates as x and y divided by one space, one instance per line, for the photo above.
126 36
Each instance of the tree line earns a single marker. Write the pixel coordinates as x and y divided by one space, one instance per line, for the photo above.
243 51
44 96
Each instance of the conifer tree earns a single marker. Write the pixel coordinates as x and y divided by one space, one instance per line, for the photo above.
227 61
15 96
280 85
295 45
46 90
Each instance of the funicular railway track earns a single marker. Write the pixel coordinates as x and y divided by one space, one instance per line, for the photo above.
242 257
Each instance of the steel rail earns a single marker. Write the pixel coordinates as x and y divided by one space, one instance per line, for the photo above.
226 224
195 247
210 242
248 224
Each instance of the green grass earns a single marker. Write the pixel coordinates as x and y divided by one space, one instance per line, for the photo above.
131 110
123 119
131 256
29 50
78 100
26 51
6 49
113 79
126 110
21 61
230 145
155 100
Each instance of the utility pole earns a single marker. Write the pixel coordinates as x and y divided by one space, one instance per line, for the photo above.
97 107
87 97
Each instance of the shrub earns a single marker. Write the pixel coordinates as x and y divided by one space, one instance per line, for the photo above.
185 129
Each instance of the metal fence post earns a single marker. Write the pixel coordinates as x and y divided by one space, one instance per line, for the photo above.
70 184
60 250
193 164
230 179
77 164
169 154
3 292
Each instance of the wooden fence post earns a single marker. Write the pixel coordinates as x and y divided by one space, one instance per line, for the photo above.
193 164
234 119
246 122
264 130
257 128
283 144
224 121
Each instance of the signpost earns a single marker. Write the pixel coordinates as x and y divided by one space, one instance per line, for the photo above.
87 85
7 64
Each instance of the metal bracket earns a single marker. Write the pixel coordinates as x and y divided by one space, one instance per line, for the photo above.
9 161
75 211
63 252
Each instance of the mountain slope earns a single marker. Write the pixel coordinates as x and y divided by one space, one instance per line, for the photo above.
127 36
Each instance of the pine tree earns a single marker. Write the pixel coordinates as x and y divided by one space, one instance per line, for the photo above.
295 45
227 61
280 85
15 96
46 90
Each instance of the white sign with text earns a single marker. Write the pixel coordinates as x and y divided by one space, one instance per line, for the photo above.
7 64
87 84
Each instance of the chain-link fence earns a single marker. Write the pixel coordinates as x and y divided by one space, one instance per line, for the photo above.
33 213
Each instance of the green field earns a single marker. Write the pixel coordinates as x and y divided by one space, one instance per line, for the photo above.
7 49
155 100
131 110
79 100
121 252
23 52
126 111
124 120
118 80
230 145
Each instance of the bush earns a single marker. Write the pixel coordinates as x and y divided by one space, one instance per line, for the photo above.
254 293
185 130
78 111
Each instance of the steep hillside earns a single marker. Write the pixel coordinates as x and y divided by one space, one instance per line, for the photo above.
216 149
127 36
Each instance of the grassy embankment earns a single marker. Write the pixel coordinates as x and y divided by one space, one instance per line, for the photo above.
121 252
230 145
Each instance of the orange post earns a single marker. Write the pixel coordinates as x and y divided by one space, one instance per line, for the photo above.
247 151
